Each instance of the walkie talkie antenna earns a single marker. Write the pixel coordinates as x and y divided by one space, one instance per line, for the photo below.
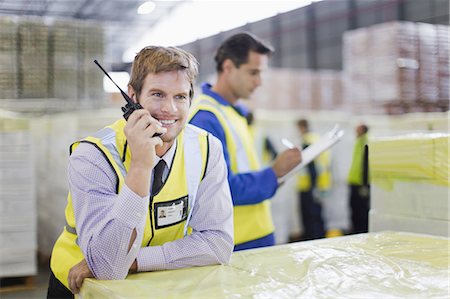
127 98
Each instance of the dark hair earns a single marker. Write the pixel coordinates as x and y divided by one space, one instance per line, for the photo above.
365 128
237 48
303 123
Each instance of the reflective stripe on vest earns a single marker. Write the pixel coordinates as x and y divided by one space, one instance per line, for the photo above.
242 160
355 174
251 222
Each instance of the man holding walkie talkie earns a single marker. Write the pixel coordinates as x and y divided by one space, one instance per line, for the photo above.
122 178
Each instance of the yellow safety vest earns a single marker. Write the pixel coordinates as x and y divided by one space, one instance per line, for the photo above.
185 174
355 174
322 164
251 222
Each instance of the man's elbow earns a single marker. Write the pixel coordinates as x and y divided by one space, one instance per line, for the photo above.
224 255
106 270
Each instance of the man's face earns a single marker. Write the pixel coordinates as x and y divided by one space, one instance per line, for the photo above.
245 79
166 96
359 131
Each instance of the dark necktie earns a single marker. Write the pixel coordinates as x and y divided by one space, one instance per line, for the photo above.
158 173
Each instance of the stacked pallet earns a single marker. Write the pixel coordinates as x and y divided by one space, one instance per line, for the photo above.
396 67
304 89
8 58
410 183
443 33
18 243
52 135
33 58
43 62
90 77
64 60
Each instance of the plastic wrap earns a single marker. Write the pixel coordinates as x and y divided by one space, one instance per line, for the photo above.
410 184
393 61
387 264
411 157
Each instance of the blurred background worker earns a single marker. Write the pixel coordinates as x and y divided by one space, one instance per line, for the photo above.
313 181
358 180
240 60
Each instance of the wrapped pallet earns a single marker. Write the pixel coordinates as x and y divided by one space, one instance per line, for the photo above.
428 80
393 62
410 183
396 67
52 135
18 229
443 62
304 89
356 67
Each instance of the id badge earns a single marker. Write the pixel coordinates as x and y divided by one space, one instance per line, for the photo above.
171 212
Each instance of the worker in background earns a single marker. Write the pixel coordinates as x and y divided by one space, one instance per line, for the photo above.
314 181
123 177
240 60
358 180
269 152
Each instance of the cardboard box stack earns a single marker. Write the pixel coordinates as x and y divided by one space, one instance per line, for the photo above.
18 229
443 33
52 136
286 89
356 67
393 62
403 64
428 80
410 183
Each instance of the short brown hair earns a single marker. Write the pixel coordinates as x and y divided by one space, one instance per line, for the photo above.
154 59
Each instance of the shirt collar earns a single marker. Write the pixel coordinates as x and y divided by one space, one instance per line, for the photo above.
168 156
206 89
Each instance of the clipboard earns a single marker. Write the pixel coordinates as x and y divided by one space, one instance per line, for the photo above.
311 152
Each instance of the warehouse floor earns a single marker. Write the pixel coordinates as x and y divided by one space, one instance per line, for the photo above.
38 290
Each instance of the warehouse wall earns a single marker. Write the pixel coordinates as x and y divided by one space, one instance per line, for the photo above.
311 37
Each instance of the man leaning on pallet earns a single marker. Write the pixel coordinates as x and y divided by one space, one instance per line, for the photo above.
123 177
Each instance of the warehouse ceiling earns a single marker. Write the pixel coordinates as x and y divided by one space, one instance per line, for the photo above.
123 26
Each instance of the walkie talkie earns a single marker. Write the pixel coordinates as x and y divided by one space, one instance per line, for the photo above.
131 105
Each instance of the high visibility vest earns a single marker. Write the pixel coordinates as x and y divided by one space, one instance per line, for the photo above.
180 188
322 164
254 221
355 174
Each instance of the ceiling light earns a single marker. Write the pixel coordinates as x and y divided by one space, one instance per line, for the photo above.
146 8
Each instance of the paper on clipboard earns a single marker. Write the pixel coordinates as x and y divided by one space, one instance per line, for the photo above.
315 149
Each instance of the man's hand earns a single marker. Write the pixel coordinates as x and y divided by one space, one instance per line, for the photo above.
139 130
77 275
286 161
